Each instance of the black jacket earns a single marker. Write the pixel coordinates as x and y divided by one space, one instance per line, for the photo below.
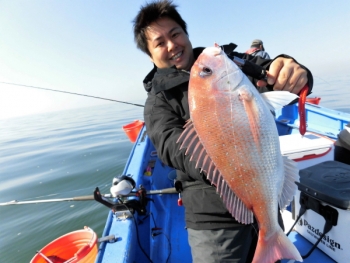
166 112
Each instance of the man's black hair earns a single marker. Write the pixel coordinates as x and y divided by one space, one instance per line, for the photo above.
150 13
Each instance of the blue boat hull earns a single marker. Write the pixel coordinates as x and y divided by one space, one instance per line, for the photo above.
160 234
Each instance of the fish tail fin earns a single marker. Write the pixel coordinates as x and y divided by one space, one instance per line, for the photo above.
276 247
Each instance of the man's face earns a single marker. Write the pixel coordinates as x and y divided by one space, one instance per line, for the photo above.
169 45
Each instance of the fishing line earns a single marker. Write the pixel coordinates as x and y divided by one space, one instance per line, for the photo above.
137 231
233 119
73 93
323 80
160 233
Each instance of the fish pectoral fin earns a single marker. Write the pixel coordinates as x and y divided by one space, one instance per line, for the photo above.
252 112
291 175
275 100
245 94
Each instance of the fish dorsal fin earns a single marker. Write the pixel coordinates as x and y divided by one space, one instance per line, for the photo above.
190 140
291 175
278 99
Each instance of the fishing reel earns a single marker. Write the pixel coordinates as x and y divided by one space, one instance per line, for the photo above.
122 185
121 191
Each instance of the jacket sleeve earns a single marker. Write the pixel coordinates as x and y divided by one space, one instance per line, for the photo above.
164 126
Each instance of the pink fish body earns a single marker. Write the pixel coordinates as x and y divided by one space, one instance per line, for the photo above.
236 143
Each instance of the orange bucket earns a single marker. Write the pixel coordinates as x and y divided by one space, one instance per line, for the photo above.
77 246
133 129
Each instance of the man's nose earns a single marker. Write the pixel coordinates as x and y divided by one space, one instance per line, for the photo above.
171 45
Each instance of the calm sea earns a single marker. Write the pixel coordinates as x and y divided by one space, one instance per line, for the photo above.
58 155
67 154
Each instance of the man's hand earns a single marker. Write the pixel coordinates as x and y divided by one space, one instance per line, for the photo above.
285 74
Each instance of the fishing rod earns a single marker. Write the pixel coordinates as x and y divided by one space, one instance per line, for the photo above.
246 66
87 197
78 198
73 93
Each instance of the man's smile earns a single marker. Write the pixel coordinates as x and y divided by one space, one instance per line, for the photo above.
177 56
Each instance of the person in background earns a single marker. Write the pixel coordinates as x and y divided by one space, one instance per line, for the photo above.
257 49
342 146
161 33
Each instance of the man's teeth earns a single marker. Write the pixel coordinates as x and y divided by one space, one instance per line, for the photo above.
177 56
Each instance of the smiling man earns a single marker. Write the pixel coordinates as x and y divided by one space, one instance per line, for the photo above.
161 33
169 45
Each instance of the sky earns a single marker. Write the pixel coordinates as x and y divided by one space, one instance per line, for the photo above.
87 47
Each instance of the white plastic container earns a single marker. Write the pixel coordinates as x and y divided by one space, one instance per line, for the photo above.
325 190
308 150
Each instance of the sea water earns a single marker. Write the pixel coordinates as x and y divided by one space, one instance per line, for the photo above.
58 155
68 154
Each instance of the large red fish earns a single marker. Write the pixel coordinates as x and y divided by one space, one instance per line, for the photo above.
233 137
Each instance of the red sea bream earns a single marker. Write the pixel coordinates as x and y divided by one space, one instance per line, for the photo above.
233 137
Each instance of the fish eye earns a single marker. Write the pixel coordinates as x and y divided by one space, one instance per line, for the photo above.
205 72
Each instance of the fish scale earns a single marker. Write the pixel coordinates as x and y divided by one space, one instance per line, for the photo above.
233 138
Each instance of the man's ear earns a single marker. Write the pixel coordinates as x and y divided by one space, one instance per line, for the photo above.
150 58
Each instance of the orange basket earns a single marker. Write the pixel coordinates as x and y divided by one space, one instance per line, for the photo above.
77 246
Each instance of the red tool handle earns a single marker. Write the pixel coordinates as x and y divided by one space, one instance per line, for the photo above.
301 108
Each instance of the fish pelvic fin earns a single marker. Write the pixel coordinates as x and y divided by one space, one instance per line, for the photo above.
276 100
291 175
276 247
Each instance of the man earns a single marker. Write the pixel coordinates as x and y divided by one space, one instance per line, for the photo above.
257 49
160 32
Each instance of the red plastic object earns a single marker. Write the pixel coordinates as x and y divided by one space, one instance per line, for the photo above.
133 129
315 100
301 109
77 246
